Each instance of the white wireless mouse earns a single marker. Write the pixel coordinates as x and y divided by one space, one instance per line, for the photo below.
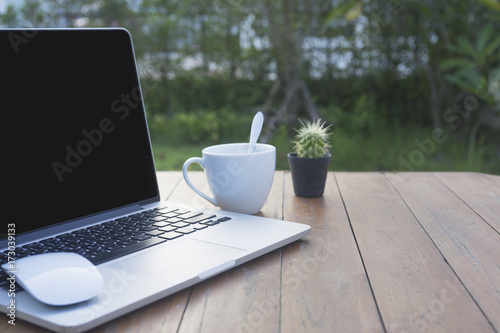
57 278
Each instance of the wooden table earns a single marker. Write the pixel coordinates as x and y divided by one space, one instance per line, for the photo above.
395 252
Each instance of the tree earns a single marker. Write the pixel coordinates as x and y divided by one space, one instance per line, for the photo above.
9 18
290 24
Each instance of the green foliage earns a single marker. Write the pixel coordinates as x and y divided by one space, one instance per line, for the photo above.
365 117
476 66
9 17
350 10
169 156
384 151
201 126
364 113
312 138
379 151
493 4
383 99
383 72
188 93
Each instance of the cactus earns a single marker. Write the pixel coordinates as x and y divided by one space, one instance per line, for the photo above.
312 139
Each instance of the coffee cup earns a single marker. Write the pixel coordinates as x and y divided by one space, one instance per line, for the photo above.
239 181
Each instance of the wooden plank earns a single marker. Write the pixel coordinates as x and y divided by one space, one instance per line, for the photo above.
495 178
243 299
167 181
164 315
469 245
273 208
478 191
324 286
414 287
184 194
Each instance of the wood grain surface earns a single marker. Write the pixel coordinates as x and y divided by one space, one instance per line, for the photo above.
388 252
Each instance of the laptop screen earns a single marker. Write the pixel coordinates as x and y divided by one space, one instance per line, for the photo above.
75 140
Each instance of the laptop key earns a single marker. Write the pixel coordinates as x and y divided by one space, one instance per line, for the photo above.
115 238
199 226
126 250
186 230
189 215
148 228
142 237
173 220
171 235
180 224
98 250
210 222
160 224
168 228
127 242
182 211
112 247
198 218
170 214
166 210
154 232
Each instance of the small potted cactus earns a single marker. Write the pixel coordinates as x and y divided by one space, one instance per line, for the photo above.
309 162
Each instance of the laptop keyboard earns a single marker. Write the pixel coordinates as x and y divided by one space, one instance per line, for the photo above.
112 239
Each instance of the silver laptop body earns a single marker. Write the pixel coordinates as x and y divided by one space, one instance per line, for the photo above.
78 154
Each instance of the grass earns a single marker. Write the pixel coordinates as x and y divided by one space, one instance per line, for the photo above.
172 157
402 149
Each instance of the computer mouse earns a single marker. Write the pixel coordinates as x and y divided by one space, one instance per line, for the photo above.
60 278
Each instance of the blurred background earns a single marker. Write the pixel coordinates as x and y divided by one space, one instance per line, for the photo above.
407 85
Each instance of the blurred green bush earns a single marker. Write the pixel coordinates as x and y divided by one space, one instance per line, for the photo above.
200 126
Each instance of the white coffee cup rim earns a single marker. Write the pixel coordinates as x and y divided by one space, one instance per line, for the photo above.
266 148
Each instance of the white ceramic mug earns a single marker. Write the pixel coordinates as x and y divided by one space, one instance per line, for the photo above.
240 182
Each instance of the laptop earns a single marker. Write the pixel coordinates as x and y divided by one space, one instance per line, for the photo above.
78 164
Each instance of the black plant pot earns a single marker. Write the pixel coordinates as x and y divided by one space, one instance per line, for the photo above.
309 174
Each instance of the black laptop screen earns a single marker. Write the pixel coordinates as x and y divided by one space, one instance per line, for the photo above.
75 139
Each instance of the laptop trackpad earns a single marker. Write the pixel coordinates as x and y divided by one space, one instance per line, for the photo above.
180 260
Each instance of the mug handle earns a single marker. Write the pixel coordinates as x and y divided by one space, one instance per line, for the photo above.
201 162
